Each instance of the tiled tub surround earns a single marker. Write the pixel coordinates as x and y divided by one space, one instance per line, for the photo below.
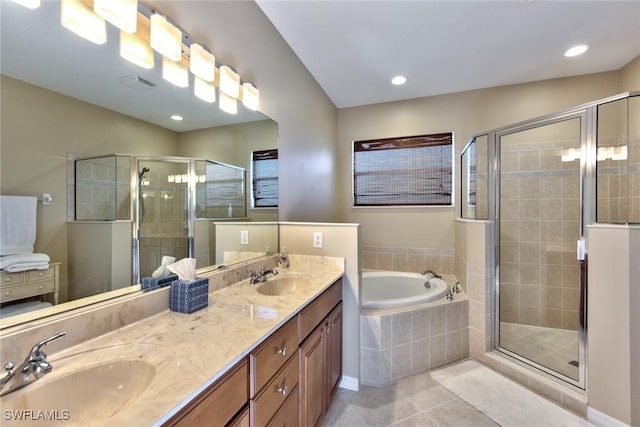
412 260
224 332
400 342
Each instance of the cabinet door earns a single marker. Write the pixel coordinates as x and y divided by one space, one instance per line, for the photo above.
312 382
334 352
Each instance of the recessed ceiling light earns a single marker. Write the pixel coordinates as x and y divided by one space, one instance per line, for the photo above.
398 80
176 117
576 50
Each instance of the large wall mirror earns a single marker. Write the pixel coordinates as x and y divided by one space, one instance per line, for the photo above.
64 98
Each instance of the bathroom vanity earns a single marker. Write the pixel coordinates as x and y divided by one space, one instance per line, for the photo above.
292 375
264 354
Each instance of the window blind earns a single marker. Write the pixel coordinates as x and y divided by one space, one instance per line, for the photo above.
405 171
265 178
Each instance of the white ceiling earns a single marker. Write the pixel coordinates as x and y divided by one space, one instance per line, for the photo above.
353 48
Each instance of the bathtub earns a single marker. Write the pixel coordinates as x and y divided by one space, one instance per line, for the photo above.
388 289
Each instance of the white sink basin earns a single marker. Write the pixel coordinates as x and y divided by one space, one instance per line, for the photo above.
88 396
279 286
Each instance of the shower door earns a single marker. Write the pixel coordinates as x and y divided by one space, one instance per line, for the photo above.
163 224
540 220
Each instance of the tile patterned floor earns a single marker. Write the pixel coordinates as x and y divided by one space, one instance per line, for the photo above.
553 348
419 401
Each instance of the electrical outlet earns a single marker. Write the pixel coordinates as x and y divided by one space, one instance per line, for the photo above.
244 237
317 239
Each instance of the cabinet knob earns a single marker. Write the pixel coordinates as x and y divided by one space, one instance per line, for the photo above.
283 390
7 293
283 351
8 279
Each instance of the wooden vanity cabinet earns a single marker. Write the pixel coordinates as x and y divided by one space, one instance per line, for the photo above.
288 380
218 405
321 357
274 374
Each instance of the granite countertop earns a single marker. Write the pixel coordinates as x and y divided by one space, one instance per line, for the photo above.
191 351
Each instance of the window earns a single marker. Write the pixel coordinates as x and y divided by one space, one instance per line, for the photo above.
265 178
220 190
405 171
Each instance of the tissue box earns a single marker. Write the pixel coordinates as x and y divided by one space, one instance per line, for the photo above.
149 283
187 297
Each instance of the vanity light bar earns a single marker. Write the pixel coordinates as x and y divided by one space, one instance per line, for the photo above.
141 32
202 63
165 38
30 4
175 73
121 13
204 90
76 16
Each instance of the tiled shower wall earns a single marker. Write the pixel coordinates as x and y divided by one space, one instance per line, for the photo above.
413 260
539 225
102 189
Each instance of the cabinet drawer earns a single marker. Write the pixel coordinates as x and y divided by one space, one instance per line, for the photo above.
275 393
217 405
40 274
10 293
288 415
8 279
313 314
272 354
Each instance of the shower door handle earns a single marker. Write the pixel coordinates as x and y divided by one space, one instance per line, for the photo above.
582 286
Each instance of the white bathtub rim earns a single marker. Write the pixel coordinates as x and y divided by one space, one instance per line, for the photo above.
397 303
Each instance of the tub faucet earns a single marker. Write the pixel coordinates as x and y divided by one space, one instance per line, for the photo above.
431 272
456 288
35 366
262 276
449 294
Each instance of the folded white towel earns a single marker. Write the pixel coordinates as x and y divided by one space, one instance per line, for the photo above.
17 224
24 262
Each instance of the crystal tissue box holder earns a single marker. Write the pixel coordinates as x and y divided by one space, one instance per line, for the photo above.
187 297
149 283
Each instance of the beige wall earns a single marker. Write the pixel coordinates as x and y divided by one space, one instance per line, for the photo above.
614 324
339 240
630 76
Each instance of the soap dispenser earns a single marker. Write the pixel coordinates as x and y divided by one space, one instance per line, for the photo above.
284 258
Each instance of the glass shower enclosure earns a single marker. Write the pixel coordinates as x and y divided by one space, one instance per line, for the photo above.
542 182
129 212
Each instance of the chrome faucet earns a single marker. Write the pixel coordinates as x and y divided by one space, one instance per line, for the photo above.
431 272
456 288
34 367
262 276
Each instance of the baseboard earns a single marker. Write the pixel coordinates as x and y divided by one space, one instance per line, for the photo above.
349 383
603 420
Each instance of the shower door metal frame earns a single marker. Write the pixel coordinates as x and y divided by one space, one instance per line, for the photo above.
135 191
587 114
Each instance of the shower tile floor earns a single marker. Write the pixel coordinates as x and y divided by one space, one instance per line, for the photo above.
551 347
421 401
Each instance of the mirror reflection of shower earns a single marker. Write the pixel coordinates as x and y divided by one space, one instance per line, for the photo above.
142 181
